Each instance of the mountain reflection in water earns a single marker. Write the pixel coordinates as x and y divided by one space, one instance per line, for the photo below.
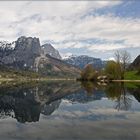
27 101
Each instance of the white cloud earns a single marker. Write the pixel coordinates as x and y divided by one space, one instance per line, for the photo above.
66 23
111 58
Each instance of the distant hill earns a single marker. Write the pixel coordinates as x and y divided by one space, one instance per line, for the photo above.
55 67
135 65
82 60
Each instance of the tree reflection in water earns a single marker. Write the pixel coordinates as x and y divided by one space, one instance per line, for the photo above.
115 91
119 92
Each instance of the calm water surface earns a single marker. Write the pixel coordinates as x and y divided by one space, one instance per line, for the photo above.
69 111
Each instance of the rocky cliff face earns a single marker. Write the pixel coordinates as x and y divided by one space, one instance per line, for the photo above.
23 54
28 54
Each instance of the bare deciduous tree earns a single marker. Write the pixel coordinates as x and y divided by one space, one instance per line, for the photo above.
117 56
123 59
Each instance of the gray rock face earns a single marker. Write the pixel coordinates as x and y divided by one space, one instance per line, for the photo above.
28 45
50 50
24 53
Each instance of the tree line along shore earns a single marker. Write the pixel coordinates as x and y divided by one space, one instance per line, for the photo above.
115 70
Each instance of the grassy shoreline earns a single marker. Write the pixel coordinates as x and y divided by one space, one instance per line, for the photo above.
125 80
56 79
35 79
131 75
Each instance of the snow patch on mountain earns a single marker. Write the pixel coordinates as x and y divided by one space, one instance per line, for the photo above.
5 45
82 60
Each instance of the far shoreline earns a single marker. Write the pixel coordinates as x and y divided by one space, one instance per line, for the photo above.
62 79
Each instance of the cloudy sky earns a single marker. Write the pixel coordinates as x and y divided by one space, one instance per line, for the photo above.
94 28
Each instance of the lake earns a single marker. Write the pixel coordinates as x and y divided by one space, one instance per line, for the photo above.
69 110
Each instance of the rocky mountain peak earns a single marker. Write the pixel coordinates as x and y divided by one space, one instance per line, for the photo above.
25 51
50 50
28 54
28 44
